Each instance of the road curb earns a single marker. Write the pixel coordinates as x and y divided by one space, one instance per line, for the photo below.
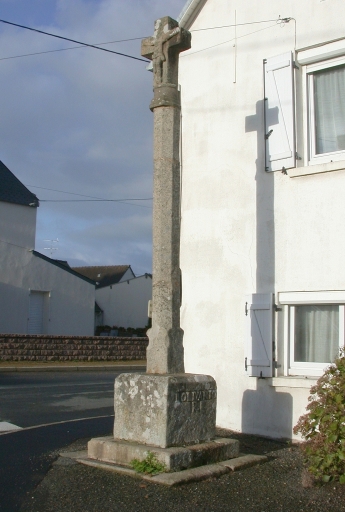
172 479
120 368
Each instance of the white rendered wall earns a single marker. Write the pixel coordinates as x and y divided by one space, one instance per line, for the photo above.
127 275
18 224
71 302
243 230
125 304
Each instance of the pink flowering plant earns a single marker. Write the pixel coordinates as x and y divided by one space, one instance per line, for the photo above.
323 426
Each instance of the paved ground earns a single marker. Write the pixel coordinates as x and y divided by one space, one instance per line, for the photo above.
33 478
272 487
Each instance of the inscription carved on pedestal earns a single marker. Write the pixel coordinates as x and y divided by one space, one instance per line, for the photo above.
195 398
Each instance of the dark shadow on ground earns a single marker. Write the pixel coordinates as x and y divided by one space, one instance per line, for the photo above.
254 444
27 455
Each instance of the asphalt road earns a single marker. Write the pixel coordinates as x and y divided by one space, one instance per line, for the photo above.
27 455
28 399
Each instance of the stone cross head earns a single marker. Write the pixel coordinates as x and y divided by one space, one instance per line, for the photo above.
163 48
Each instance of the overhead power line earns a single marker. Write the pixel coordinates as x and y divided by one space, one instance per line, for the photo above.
92 200
280 21
233 25
73 41
96 45
70 48
89 197
121 201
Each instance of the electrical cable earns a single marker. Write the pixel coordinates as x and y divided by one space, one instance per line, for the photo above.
90 200
71 48
234 25
228 41
83 45
122 201
73 41
90 197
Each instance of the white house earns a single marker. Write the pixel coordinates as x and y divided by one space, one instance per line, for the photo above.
121 297
263 180
38 295
126 303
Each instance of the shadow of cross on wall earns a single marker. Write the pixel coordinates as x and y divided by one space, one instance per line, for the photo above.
265 237
258 122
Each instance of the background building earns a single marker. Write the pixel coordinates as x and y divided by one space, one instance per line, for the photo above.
38 295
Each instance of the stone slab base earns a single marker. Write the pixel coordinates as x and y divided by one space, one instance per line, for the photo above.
176 478
110 450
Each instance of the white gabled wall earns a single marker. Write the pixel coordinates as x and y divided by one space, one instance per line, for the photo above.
125 304
245 231
127 275
18 224
71 301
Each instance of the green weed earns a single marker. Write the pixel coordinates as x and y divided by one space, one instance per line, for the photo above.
150 465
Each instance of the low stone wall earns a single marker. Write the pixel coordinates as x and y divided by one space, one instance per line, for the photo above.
28 347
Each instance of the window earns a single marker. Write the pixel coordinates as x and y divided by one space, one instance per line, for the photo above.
314 330
326 110
320 108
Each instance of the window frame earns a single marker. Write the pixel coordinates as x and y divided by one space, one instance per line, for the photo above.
308 73
309 60
289 300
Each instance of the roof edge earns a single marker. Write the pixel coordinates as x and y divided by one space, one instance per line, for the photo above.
190 12
146 275
63 267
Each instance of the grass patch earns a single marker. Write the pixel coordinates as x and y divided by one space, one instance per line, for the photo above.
150 465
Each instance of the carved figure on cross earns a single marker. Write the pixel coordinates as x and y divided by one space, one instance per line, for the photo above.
161 55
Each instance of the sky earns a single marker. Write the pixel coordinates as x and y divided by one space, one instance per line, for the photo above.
77 121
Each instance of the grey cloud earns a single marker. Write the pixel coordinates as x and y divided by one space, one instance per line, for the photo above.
79 121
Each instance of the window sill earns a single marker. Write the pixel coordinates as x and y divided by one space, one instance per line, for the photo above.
316 169
293 382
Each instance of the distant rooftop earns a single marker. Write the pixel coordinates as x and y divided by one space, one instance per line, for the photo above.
13 191
104 275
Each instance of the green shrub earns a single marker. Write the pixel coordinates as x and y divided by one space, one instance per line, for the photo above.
323 427
150 465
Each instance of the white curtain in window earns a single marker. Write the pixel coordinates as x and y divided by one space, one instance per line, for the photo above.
316 333
329 105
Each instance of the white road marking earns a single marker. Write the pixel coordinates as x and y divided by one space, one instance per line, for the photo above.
6 427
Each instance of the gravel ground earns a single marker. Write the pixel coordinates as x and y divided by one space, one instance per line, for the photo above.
271 487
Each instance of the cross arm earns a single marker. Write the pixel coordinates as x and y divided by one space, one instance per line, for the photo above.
147 47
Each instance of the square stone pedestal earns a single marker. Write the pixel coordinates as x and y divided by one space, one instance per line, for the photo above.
172 415
165 410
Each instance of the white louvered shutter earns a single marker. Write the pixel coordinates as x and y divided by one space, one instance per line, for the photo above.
279 112
259 334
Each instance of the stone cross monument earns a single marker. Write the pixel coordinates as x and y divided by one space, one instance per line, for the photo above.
165 410
165 351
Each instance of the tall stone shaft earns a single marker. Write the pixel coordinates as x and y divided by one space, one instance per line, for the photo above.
165 350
